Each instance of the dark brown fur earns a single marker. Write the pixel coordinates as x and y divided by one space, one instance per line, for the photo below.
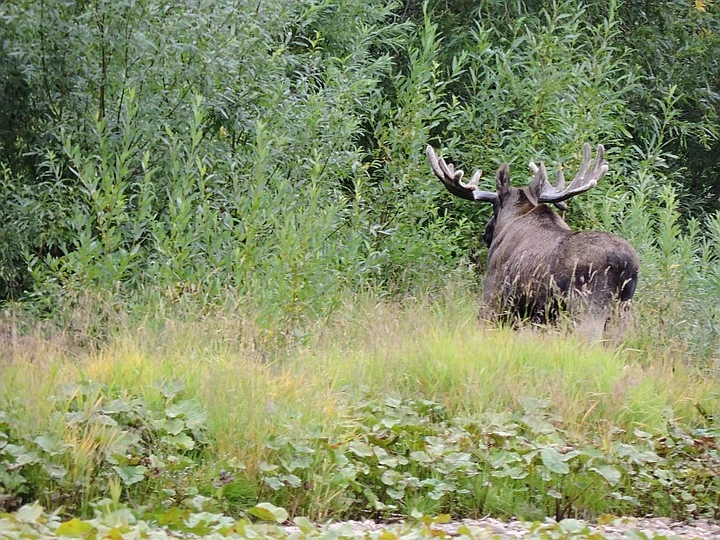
537 266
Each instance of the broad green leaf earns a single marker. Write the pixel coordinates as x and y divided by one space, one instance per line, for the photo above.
389 422
74 528
553 461
267 467
131 475
298 462
360 449
305 524
115 406
170 389
609 473
291 480
421 457
572 526
189 410
532 404
181 441
273 482
120 442
173 426
389 477
51 445
269 512
29 513
56 471
236 464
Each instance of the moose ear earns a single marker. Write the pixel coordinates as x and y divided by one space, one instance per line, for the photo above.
502 181
537 185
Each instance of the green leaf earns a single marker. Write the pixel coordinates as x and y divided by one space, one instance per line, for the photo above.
236 464
389 477
298 462
572 526
306 526
190 410
273 482
181 441
51 445
74 528
291 480
170 389
360 449
29 513
55 471
116 406
131 475
553 461
265 467
421 457
269 512
173 426
384 458
121 443
609 473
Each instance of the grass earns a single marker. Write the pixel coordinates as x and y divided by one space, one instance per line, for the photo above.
407 349
325 386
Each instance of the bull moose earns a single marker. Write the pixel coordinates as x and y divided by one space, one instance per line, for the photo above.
537 266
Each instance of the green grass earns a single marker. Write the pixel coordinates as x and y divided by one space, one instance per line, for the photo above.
327 391
412 349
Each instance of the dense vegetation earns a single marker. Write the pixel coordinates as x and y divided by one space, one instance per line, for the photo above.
252 173
272 152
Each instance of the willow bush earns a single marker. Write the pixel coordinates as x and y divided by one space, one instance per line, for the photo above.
270 155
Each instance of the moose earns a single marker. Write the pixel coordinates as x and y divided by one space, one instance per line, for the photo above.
537 266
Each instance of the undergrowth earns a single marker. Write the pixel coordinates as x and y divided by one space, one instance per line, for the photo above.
389 410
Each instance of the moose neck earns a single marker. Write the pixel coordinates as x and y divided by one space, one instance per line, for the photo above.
514 225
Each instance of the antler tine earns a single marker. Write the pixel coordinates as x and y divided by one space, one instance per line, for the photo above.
559 175
452 179
586 178
541 175
560 179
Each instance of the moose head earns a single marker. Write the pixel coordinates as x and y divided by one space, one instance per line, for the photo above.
537 266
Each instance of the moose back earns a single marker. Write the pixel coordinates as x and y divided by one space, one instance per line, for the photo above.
537 266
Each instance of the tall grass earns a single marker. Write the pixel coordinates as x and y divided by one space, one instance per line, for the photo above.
417 348
260 404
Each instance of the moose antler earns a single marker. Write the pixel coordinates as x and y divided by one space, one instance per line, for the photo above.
452 179
586 178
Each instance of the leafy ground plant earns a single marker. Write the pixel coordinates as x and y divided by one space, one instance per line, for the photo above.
414 410
32 521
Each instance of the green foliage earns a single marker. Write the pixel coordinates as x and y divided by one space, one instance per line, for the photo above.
406 456
389 456
271 156
31 521
110 442
197 152
267 159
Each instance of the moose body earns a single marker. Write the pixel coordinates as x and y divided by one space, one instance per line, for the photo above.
537 266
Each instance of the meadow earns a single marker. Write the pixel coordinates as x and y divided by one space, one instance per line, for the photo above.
232 292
